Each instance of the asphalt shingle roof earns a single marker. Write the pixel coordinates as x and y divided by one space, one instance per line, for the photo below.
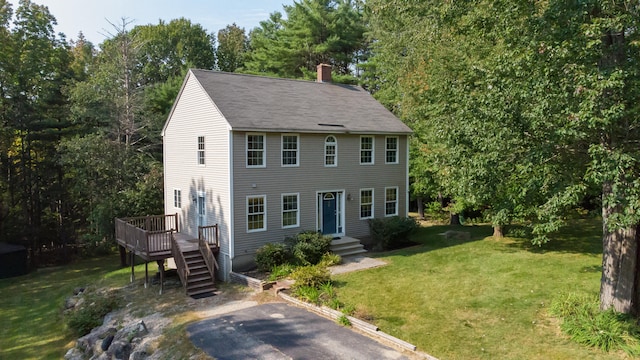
256 103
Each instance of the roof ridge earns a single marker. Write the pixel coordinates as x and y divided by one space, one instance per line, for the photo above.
267 77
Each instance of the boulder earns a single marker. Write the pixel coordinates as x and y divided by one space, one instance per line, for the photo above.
106 342
120 350
74 354
139 355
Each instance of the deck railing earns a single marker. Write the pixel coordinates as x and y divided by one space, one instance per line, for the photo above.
204 245
209 234
147 234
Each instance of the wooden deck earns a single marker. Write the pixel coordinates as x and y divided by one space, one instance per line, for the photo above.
156 238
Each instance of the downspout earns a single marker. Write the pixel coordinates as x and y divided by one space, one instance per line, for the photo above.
406 174
232 231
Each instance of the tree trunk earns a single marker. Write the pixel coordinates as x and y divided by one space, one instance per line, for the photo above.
454 219
619 282
498 231
420 202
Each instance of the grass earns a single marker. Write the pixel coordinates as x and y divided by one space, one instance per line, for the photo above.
481 298
31 306
31 325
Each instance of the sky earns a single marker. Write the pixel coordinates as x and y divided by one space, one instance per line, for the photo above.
92 17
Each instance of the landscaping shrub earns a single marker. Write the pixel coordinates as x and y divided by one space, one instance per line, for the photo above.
281 271
91 313
308 247
391 232
313 275
586 324
271 255
330 259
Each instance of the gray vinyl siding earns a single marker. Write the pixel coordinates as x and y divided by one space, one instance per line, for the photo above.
307 179
195 115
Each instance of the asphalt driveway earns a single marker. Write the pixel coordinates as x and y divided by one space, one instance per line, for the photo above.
282 331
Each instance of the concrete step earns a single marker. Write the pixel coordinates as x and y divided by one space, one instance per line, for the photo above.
346 246
352 252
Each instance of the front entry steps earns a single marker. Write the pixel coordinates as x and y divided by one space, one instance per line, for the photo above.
347 246
200 282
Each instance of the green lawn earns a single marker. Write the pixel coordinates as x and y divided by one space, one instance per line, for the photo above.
31 305
483 298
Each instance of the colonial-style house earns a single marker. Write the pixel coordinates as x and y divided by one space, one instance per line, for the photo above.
265 158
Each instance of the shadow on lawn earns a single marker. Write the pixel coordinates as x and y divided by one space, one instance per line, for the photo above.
580 236
429 238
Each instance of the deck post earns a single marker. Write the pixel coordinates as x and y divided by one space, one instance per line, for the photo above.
123 255
146 274
133 264
161 269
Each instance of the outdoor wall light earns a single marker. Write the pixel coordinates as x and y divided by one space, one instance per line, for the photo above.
349 197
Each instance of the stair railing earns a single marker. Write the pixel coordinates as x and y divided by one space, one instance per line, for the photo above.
181 262
203 244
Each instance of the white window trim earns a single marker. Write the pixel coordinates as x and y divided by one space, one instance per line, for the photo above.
264 150
396 150
297 224
372 204
387 201
335 163
282 150
264 218
203 151
177 198
373 147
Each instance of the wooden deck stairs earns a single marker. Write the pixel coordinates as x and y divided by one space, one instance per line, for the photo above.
199 281
157 238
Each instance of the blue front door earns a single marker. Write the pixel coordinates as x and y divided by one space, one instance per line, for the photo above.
329 214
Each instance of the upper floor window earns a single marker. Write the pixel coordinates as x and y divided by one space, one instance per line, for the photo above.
255 150
366 150
290 150
290 213
200 150
391 201
366 203
256 213
391 150
177 198
330 151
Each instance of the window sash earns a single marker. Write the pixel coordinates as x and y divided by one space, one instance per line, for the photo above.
366 203
290 210
201 148
391 201
366 150
391 153
177 198
289 150
255 150
256 213
330 151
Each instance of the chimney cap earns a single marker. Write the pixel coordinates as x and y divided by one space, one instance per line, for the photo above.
324 72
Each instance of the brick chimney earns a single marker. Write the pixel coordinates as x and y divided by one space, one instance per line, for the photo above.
324 73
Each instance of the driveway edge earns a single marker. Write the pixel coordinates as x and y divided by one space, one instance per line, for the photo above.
356 323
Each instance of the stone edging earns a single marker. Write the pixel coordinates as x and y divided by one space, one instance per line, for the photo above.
258 285
356 323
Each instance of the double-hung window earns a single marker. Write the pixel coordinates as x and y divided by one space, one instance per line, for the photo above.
200 150
366 203
290 210
255 150
391 201
256 213
366 150
290 150
177 198
391 150
330 151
